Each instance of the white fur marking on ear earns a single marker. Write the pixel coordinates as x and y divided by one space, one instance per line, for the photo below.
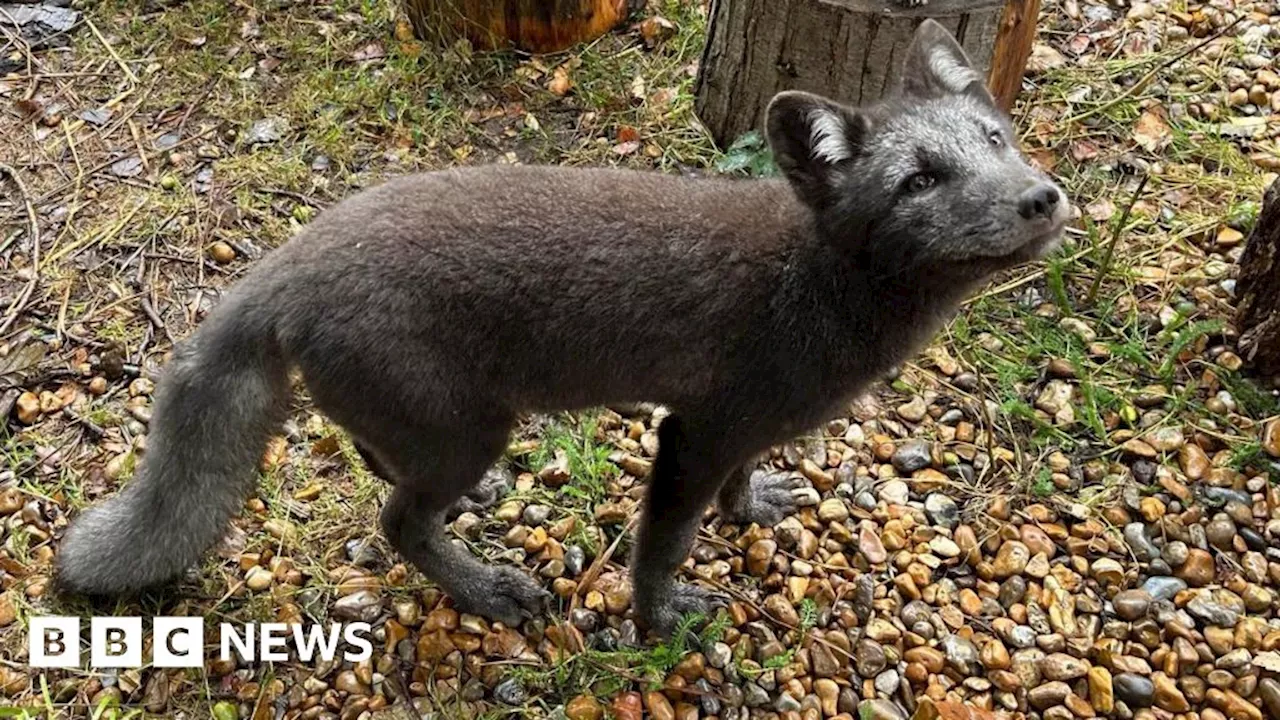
953 74
827 138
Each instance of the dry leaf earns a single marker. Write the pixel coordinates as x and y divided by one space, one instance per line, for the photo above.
656 29
1228 237
404 31
1082 150
1043 158
1151 132
627 148
560 83
1044 58
627 134
372 51
1100 210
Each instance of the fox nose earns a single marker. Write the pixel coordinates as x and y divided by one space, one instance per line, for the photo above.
1038 202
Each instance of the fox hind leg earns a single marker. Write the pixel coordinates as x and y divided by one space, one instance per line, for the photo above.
434 468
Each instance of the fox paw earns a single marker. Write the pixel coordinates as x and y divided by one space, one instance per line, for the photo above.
663 613
508 596
767 501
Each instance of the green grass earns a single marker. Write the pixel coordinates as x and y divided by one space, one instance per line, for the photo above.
587 454
604 673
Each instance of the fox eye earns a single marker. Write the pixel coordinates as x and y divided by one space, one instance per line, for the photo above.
920 182
997 140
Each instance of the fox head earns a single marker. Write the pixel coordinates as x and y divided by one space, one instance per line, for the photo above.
928 179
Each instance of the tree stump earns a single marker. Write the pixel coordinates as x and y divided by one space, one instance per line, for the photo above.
535 26
847 50
1258 289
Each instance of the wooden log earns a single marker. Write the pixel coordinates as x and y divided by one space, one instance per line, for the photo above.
848 50
535 26
1258 289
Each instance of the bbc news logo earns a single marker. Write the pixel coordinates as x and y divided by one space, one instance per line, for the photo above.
117 642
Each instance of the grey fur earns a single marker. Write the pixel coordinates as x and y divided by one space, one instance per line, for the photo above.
427 313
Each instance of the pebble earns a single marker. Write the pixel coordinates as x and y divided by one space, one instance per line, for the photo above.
833 510
584 707
1134 690
942 510
1132 604
911 456
510 692
871 547
1198 570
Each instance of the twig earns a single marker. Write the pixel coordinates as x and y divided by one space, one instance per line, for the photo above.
110 50
186 115
17 39
104 165
1146 79
18 304
93 430
1115 238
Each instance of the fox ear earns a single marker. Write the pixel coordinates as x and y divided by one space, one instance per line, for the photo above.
811 138
936 66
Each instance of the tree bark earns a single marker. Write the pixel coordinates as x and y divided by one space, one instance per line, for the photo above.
1258 288
848 50
536 26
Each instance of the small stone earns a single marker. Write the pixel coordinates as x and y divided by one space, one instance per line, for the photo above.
1100 690
1131 605
347 682
1269 690
1221 607
611 513
258 578
1271 437
828 693
364 606
895 492
833 510
914 410
659 706
1047 695
8 613
871 547
1135 535
1079 328
584 707
1194 461
1221 532
27 408
535 515
1163 587
510 692
911 456
575 559
1060 666
961 654
1167 439
222 253
1108 571
869 658
627 706
1011 559
1134 690
760 556
942 509
1198 570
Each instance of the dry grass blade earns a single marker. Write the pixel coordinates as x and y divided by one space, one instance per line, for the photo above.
1115 238
15 309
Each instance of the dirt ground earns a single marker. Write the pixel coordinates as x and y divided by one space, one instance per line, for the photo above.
1065 508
